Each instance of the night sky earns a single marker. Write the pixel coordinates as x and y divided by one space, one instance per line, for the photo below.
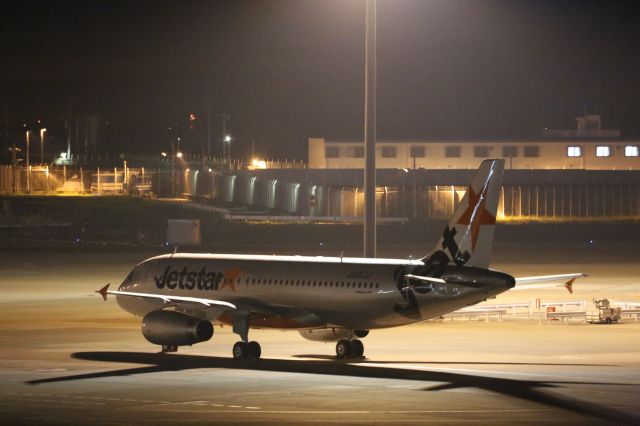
286 70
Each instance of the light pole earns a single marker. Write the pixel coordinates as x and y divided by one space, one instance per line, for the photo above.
28 143
224 118
227 141
174 154
42 133
370 133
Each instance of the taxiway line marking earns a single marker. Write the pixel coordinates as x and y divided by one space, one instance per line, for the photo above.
53 401
391 412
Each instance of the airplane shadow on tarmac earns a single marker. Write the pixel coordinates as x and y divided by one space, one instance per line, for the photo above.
529 390
364 360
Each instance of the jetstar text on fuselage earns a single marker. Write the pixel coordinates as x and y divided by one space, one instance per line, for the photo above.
189 279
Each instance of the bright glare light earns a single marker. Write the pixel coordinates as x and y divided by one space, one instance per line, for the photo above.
63 155
179 154
164 154
209 170
258 164
227 138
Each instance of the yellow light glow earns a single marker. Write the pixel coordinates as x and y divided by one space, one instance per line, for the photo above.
258 164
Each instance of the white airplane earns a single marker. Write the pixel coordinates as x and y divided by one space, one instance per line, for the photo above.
338 299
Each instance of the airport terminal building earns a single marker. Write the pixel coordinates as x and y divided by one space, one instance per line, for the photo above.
583 173
589 147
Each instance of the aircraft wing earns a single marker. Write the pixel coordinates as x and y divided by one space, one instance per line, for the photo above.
182 300
528 283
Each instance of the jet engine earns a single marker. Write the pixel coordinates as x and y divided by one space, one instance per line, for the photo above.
331 334
169 328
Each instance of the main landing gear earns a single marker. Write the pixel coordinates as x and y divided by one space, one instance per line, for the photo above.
348 349
244 349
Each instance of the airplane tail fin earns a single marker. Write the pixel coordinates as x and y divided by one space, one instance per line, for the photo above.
468 238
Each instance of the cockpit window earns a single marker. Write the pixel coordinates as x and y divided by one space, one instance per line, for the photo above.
129 277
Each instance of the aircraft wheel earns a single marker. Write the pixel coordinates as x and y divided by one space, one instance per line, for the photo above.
343 349
254 350
240 350
357 348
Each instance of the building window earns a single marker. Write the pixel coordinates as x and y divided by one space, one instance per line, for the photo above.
332 152
452 151
603 151
388 152
532 151
481 151
509 151
631 151
574 151
417 151
357 152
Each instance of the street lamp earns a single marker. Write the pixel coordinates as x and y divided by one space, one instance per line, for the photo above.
227 140
42 132
28 143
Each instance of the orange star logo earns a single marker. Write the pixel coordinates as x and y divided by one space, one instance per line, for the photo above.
476 214
229 279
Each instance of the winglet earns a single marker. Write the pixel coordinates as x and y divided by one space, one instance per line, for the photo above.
103 291
569 285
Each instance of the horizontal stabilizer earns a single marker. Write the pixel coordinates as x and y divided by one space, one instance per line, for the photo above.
548 278
425 279
530 283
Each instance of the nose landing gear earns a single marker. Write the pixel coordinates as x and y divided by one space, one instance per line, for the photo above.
349 349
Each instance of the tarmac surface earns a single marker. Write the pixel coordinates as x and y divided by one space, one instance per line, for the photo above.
69 358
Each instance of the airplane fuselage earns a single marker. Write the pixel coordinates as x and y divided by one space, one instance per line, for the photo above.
303 292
